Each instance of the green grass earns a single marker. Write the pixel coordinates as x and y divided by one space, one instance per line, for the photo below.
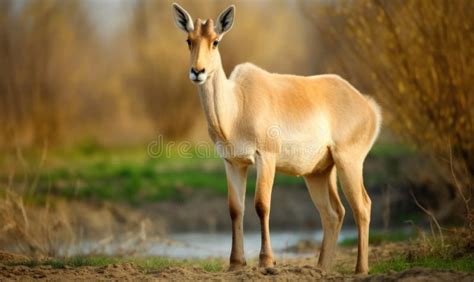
146 181
400 263
90 171
127 175
144 264
390 150
377 238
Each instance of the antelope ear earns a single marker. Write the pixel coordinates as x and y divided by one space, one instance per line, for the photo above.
225 20
182 18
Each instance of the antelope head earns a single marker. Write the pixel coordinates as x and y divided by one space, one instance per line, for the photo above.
203 41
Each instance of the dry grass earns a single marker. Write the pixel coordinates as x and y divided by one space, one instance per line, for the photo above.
445 243
60 228
41 234
47 226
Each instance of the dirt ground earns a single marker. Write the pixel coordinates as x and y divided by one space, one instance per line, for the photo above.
280 273
297 269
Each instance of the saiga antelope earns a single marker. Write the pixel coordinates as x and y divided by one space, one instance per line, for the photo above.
303 126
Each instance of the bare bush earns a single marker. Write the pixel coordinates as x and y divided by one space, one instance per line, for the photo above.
416 57
39 44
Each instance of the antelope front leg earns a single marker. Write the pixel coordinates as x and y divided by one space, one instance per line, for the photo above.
236 182
265 175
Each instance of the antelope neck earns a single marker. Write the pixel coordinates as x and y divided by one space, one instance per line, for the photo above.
218 101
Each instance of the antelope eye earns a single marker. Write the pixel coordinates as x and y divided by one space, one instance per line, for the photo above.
189 42
215 43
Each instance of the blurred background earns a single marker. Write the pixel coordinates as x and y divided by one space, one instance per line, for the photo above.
86 87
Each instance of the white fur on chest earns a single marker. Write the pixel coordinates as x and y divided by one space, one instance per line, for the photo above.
236 151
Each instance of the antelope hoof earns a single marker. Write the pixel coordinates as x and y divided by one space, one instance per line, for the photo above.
361 271
266 261
237 265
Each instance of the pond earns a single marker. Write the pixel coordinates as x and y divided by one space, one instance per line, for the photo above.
218 245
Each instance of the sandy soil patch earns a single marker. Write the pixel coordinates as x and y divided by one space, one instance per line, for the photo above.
296 269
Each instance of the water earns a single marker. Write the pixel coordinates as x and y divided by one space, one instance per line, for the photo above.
218 245
200 245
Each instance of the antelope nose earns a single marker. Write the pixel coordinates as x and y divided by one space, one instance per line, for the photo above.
197 72
197 76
